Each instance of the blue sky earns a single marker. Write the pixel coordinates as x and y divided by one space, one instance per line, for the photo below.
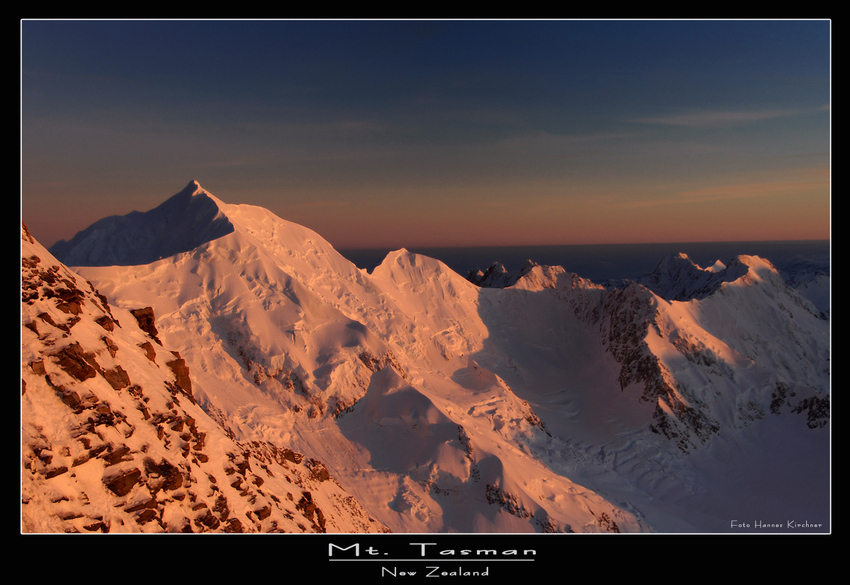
436 133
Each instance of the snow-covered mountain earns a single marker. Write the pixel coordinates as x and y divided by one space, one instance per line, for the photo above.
545 403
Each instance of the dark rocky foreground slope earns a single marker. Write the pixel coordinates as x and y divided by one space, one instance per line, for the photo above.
113 441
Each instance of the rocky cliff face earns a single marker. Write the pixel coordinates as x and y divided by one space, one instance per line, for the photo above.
113 441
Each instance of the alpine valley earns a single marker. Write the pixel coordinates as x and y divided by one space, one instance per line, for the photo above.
208 367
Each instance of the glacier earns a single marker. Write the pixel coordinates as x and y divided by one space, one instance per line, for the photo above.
694 400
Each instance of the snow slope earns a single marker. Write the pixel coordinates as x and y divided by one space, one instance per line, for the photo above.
735 377
553 404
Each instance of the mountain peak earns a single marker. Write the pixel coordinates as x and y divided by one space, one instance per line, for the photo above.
194 188
183 222
679 278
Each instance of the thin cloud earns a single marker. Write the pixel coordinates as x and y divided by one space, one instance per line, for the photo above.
711 119
747 191
324 204
733 192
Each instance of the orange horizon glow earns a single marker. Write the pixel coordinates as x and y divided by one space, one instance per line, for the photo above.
472 133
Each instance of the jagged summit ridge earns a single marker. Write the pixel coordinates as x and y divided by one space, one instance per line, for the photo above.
678 278
185 221
497 276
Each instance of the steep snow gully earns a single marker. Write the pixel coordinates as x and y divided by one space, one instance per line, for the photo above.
207 367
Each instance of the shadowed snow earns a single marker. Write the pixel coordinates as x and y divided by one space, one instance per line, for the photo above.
182 223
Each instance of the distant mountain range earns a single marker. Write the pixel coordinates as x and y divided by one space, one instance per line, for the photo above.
212 367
